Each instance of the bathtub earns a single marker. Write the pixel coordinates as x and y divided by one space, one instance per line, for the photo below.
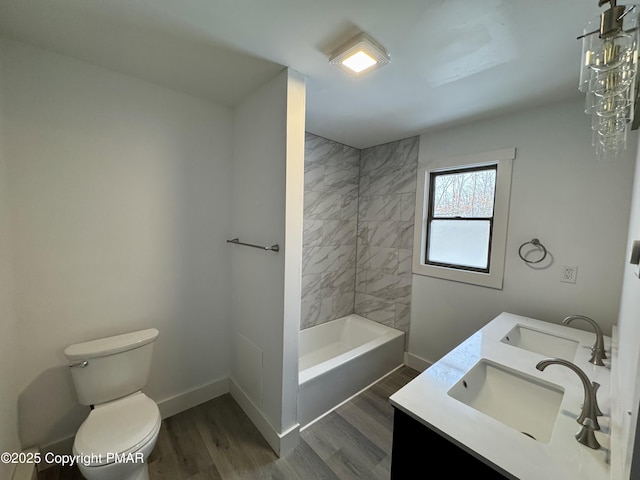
340 358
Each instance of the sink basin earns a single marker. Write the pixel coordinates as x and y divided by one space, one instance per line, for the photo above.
544 343
520 401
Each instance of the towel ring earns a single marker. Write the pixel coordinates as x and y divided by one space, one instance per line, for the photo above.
536 243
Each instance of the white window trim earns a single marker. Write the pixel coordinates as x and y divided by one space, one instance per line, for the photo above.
494 279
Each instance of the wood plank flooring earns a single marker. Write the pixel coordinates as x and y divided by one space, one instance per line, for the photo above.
216 440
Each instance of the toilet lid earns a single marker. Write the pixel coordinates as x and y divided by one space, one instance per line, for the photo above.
119 427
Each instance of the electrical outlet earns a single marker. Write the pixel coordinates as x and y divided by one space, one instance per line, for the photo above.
569 273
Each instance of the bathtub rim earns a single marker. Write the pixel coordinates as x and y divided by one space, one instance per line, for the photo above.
389 334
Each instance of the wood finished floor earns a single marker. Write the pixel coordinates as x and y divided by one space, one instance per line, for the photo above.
216 440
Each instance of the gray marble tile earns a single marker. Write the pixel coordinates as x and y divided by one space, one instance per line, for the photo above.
405 262
361 279
314 177
351 157
408 207
339 232
311 286
393 179
383 234
410 149
342 305
371 208
350 172
326 309
309 313
348 208
375 157
312 232
322 206
376 309
320 150
403 317
389 287
338 282
393 233
363 184
327 259
341 180
405 239
380 207
381 259
363 233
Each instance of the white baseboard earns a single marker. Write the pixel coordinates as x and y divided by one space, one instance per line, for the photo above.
281 442
184 401
415 362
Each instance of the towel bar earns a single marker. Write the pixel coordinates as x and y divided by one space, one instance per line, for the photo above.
272 248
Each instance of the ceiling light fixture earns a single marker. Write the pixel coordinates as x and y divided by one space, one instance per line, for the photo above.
608 77
360 55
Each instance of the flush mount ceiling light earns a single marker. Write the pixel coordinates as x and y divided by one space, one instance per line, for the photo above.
359 56
609 77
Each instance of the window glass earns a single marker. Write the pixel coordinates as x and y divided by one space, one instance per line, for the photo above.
459 242
465 194
462 209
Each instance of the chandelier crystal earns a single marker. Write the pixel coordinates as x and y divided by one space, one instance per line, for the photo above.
608 76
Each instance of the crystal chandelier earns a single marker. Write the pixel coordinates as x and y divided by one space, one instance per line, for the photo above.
608 76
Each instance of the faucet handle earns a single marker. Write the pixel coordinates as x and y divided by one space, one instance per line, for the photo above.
586 435
597 354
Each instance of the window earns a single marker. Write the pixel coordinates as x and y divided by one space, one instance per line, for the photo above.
460 218
462 207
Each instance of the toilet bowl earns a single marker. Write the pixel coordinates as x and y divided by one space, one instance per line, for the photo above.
116 439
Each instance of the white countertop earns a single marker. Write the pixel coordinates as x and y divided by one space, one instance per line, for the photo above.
426 399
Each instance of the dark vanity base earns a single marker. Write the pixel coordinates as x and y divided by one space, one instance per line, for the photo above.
417 448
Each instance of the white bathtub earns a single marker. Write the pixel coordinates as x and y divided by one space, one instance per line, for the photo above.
341 357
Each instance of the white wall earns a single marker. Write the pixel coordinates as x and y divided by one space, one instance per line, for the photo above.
119 194
8 331
268 153
628 360
560 194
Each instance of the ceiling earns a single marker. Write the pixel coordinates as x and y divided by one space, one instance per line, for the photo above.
452 61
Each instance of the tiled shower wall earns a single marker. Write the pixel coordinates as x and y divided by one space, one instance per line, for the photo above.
387 197
358 231
330 230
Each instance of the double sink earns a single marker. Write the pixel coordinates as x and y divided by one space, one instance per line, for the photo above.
493 397
520 401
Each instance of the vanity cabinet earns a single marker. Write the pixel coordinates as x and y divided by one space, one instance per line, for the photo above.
417 448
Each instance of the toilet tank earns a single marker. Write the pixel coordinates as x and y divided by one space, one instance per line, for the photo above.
112 367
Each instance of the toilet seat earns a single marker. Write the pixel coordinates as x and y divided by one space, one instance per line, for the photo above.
120 427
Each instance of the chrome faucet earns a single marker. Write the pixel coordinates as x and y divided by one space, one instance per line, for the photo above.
598 352
588 417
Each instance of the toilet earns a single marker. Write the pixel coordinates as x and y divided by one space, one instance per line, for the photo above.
116 439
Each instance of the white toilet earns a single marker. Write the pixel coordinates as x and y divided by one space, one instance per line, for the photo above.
117 437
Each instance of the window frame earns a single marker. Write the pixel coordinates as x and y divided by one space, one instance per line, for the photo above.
433 175
503 160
